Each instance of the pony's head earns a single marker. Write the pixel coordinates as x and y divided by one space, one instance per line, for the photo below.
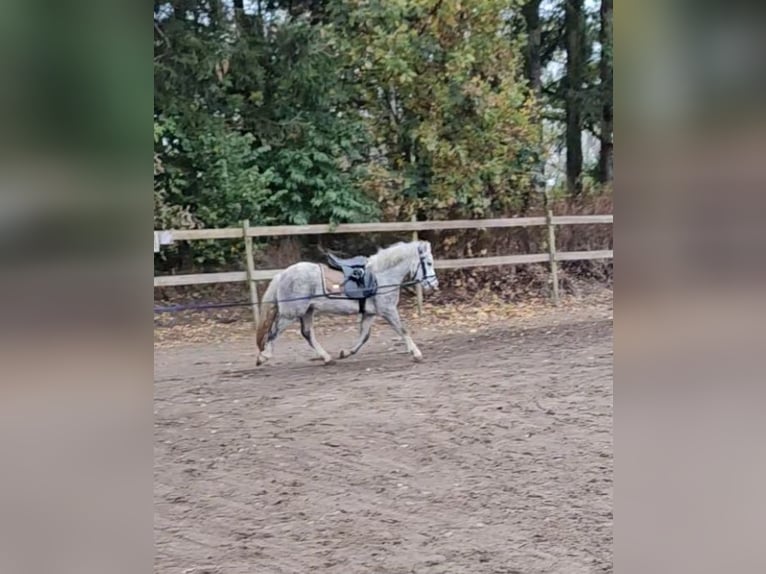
417 257
426 272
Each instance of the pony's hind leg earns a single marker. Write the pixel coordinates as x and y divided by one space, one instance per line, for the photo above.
307 330
268 348
277 328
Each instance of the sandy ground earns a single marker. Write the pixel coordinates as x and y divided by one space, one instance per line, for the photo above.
494 455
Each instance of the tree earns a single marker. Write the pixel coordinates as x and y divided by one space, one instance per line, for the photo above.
533 57
606 152
445 101
574 83
259 93
533 70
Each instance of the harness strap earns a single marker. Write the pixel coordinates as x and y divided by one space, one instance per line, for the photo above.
362 302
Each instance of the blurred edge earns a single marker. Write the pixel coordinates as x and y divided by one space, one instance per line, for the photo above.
75 193
75 343
690 173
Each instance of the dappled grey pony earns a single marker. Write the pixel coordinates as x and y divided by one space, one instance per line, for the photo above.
365 286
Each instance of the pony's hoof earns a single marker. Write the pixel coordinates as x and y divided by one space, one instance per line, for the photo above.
417 357
259 361
329 361
344 354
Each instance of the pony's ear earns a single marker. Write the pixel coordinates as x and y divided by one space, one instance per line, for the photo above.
425 246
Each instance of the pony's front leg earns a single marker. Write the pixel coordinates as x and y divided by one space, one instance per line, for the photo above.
364 334
393 319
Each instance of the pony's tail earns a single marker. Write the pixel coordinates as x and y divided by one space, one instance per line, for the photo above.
268 313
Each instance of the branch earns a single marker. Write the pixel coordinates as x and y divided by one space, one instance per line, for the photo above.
431 13
164 39
392 106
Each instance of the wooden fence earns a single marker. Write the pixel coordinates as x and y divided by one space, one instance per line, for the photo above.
251 275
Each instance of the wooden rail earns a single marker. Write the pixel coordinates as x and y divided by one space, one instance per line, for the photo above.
281 230
252 276
268 274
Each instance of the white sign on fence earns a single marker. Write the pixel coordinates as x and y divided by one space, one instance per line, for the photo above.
162 238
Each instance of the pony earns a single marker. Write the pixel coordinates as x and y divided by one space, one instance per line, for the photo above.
301 291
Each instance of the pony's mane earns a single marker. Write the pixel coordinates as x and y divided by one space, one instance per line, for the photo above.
392 255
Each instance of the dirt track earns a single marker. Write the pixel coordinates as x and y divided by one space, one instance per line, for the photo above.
494 455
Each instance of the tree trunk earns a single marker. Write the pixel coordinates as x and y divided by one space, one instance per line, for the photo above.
575 41
239 14
533 72
532 56
606 151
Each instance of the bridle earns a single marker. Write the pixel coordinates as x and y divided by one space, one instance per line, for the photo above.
425 276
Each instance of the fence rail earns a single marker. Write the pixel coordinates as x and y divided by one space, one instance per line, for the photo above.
252 275
281 230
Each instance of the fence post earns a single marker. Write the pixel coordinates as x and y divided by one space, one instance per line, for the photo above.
552 251
418 287
250 267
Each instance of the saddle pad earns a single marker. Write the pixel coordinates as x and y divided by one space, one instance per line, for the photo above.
332 281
